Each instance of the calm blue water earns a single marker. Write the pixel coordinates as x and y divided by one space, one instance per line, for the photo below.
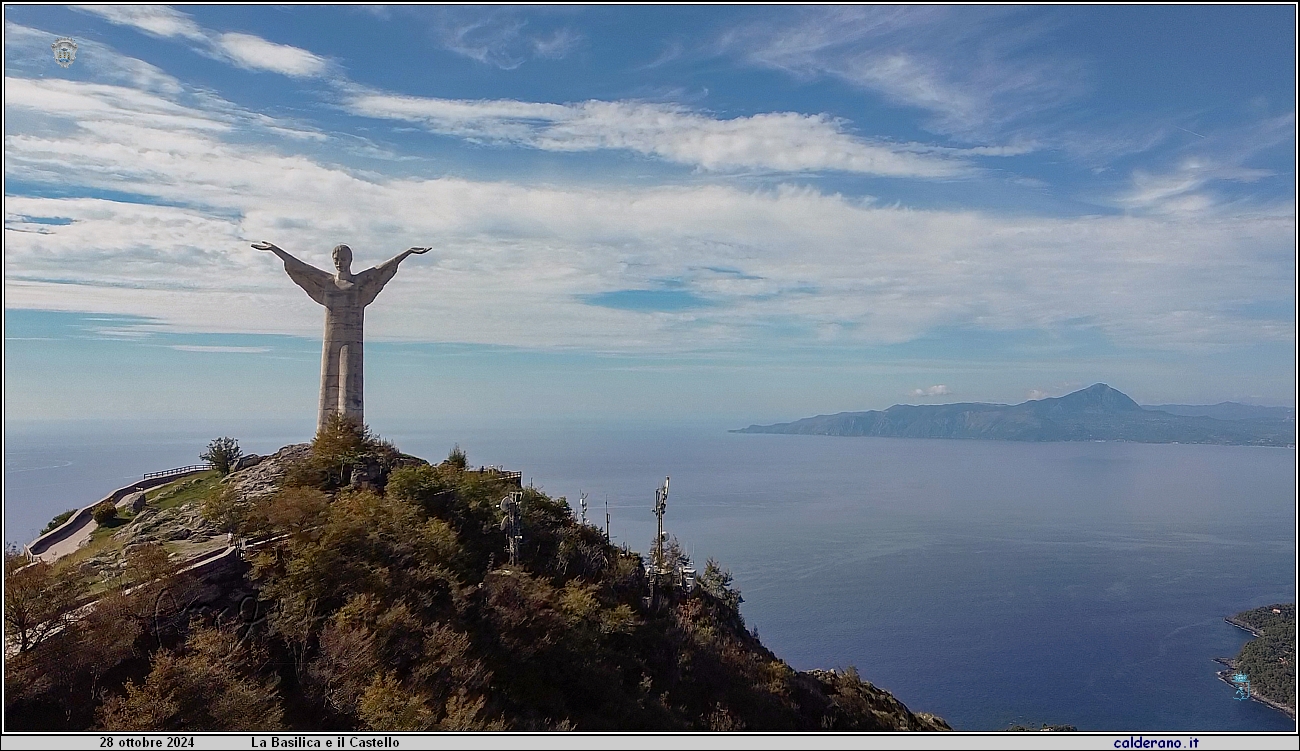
987 582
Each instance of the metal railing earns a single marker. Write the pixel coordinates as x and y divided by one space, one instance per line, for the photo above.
496 469
177 471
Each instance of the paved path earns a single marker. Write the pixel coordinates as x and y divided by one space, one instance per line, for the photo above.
77 530
69 544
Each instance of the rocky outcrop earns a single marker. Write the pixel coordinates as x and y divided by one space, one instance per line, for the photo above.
264 477
184 522
246 461
134 502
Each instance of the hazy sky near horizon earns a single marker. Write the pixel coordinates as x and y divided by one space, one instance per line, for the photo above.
749 213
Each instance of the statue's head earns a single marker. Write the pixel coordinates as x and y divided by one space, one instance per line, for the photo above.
343 259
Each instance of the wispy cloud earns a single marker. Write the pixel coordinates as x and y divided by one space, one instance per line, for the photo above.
777 141
1194 182
219 349
246 51
975 70
28 47
499 37
157 20
773 141
558 44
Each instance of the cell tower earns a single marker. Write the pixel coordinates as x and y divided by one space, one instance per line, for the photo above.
607 517
511 525
582 501
661 505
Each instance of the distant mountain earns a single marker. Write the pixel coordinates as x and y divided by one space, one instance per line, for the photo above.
1226 411
1097 413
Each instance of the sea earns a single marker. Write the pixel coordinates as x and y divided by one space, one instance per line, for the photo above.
991 583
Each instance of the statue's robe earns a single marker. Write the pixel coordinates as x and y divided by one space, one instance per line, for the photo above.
343 354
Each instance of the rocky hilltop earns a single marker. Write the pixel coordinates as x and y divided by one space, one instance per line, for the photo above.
1097 413
351 587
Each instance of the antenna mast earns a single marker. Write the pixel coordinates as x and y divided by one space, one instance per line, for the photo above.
607 517
583 502
511 525
661 505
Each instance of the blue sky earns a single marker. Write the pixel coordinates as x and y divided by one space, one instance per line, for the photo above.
746 214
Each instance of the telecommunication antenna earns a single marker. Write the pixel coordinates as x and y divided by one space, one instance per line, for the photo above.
607 517
661 505
583 502
511 525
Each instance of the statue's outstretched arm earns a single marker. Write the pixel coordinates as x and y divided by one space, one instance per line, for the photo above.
397 259
312 280
373 280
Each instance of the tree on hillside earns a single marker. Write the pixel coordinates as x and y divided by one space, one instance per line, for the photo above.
59 520
216 682
222 453
148 562
38 599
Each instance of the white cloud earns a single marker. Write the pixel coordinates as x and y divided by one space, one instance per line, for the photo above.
255 53
102 104
158 20
778 141
514 264
1036 394
930 391
125 89
27 52
246 51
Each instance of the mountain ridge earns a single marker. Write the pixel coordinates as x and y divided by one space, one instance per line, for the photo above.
1096 413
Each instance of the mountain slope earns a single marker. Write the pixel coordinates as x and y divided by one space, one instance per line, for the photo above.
1097 413
373 591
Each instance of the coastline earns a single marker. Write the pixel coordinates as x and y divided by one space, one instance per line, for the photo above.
1232 619
1226 677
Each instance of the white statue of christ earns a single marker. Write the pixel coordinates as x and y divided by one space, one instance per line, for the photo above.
345 297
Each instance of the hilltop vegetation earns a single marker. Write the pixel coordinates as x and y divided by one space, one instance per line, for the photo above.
1269 659
376 599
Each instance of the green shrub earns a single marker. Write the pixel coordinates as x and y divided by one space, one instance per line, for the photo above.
104 512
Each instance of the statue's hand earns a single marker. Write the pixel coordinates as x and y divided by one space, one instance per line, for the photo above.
265 246
419 251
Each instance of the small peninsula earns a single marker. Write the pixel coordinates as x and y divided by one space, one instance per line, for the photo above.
1097 413
1269 659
